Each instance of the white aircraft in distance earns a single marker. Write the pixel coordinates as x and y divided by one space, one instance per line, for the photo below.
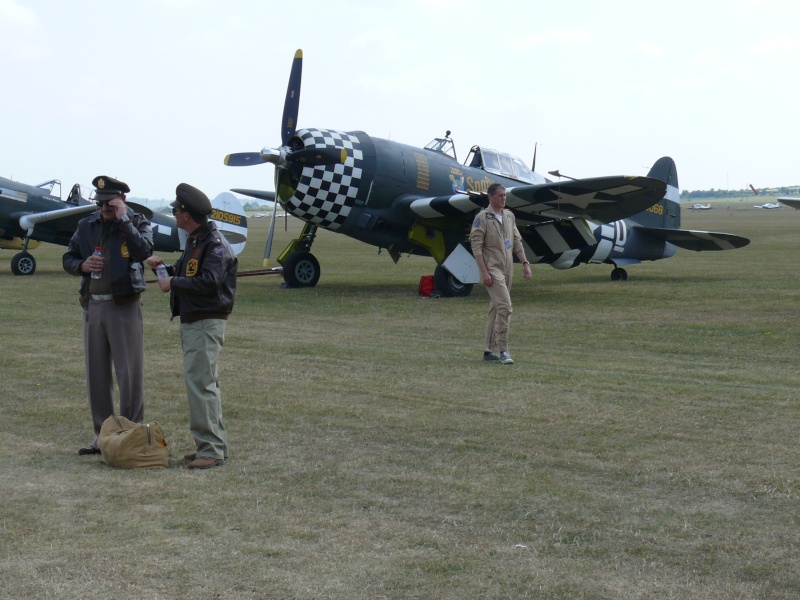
700 207
791 202
768 205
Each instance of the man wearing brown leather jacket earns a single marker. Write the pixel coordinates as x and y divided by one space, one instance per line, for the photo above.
202 286
111 283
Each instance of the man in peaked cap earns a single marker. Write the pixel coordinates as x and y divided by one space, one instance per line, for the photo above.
202 286
113 332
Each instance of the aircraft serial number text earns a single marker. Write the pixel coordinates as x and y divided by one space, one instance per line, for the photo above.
226 217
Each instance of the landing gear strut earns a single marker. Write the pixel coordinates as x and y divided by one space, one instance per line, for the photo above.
24 263
300 267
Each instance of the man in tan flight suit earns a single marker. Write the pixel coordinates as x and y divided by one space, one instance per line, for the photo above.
495 240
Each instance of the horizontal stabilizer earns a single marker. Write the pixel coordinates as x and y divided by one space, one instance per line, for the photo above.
141 209
699 241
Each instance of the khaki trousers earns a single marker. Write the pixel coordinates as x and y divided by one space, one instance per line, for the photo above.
499 318
201 342
113 334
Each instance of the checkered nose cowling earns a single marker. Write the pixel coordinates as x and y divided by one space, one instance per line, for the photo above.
324 195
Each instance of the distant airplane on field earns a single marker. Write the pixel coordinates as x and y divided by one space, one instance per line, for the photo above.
768 205
700 207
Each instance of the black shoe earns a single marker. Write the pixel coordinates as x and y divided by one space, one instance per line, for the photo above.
490 357
88 450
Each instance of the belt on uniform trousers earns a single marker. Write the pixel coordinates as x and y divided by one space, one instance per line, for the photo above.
101 297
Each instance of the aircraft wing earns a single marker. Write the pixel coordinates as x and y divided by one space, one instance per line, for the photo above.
603 199
699 241
792 202
63 218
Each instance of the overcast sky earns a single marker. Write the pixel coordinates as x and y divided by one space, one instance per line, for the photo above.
156 92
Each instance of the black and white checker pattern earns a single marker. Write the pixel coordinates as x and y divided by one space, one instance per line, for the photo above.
325 195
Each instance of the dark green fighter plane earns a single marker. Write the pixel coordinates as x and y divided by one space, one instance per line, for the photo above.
30 214
422 201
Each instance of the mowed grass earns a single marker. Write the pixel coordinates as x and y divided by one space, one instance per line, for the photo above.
644 445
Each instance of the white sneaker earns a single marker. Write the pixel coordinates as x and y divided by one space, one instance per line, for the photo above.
505 358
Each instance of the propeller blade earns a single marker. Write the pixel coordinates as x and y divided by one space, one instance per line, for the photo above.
314 157
291 107
268 248
243 159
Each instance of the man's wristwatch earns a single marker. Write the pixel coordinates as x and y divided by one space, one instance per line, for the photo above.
124 219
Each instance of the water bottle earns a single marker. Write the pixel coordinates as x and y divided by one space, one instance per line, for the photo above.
97 274
161 271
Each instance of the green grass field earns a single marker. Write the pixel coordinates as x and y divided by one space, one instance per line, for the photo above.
644 445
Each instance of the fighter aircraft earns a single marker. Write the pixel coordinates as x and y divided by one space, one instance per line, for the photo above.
422 201
31 214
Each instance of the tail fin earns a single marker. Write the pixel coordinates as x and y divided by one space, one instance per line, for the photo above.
228 214
665 170
667 213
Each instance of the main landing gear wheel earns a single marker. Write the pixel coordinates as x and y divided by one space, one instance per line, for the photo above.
301 269
619 274
448 285
23 264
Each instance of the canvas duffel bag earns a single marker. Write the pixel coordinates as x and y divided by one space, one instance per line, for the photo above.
129 445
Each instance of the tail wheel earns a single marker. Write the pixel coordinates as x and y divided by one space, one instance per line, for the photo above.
448 285
619 274
23 264
301 269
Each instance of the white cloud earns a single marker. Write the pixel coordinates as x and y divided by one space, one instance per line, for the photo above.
379 35
650 49
12 13
780 44
556 37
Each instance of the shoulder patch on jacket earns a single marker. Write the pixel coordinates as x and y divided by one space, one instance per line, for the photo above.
218 250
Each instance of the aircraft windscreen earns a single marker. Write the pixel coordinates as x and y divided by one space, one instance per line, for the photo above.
490 162
523 172
506 165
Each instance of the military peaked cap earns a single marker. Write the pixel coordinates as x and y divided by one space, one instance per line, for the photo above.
189 198
108 186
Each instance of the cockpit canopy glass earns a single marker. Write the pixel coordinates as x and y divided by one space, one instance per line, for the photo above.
499 164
